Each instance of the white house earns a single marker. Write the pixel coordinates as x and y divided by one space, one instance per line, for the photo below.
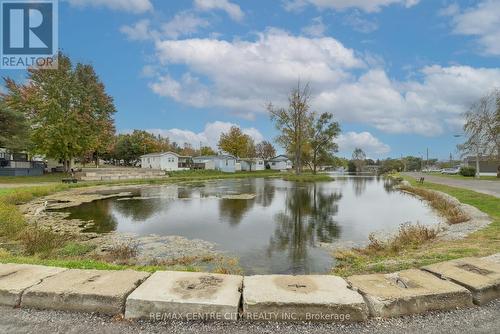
281 162
252 164
168 161
223 163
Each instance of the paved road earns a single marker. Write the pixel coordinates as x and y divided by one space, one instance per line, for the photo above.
481 186
484 319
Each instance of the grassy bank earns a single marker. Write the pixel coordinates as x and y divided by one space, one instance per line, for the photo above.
461 177
307 177
429 250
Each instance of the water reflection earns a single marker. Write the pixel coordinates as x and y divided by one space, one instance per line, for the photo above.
279 231
307 219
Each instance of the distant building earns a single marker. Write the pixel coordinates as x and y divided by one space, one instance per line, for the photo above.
373 169
487 166
18 164
281 162
252 164
168 161
223 163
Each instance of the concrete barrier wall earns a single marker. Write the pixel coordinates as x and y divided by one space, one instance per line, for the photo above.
168 295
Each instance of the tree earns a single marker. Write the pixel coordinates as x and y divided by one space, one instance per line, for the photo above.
207 150
69 112
13 129
99 107
265 150
129 147
294 123
481 128
358 158
322 146
235 142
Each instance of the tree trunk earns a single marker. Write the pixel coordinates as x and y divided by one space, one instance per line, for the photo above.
478 175
314 163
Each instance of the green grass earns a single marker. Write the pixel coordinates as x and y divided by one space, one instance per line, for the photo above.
307 177
458 176
52 177
480 243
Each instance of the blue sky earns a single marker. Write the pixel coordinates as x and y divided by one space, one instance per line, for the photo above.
397 74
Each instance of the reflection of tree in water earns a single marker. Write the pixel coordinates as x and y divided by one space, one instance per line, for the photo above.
234 209
138 209
99 212
359 184
307 219
388 185
265 191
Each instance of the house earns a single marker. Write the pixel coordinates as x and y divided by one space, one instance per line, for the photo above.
223 163
487 166
252 164
18 164
281 162
168 161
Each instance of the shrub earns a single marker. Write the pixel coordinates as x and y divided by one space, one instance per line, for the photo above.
40 241
11 220
467 171
75 249
409 236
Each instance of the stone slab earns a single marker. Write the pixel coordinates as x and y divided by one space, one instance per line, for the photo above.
409 292
169 295
98 291
480 276
301 298
15 278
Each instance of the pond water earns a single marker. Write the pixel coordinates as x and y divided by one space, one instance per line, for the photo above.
284 229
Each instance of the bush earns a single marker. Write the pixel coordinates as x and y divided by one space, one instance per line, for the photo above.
72 249
11 220
467 171
40 241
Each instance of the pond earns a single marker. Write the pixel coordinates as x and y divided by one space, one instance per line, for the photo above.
284 227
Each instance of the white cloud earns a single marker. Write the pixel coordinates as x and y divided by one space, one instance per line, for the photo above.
184 23
241 76
482 21
132 6
364 5
365 140
360 24
233 10
316 29
140 31
209 136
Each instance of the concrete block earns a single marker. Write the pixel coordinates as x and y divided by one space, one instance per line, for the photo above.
15 278
301 298
409 292
97 291
169 295
480 276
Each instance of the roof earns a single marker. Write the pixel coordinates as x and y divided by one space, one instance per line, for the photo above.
212 157
159 154
251 159
280 158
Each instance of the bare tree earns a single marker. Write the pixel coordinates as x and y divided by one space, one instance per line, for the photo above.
358 157
294 122
482 128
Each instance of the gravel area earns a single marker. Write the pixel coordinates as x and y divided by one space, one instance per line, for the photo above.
474 320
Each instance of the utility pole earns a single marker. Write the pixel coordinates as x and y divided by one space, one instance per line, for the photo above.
427 160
